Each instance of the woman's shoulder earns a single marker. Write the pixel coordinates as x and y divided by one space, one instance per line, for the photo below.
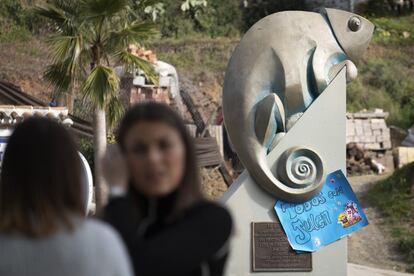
107 245
99 229
101 233
81 228
103 236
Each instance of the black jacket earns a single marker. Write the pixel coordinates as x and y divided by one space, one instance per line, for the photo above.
194 244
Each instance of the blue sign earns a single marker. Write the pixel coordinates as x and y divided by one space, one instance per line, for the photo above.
334 213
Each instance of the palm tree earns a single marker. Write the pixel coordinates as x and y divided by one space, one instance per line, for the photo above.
89 38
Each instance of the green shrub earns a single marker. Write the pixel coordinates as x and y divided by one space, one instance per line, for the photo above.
18 21
196 57
257 9
378 7
394 198
15 33
222 18
13 10
217 18
406 246
385 84
87 149
394 30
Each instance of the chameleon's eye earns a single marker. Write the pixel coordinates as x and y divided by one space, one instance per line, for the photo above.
354 24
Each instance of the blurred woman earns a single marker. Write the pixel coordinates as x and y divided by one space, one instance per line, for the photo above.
166 224
42 225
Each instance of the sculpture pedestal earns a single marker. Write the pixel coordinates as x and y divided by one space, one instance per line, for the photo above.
322 128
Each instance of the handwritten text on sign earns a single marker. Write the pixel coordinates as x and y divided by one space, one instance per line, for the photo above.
332 214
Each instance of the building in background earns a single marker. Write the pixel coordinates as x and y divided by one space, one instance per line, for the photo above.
11 116
137 87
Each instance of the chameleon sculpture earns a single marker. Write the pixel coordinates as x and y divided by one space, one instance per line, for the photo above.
282 64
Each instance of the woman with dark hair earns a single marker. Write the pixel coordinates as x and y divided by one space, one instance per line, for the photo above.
42 225
168 227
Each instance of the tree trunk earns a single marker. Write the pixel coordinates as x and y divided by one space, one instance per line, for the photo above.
70 99
101 189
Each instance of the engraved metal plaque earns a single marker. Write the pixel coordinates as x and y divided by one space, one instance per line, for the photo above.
272 251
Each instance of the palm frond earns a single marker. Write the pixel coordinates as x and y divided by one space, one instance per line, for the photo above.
100 85
63 47
132 61
57 75
59 47
63 20
114 111
139 30
65 53
75 53
51 12
134 33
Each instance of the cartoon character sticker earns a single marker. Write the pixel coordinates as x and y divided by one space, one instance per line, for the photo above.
350 216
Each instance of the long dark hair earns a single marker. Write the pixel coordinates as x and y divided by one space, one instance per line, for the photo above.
189 191
40 183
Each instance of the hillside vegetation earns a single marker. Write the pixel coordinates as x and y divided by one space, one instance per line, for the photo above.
199 42
386 73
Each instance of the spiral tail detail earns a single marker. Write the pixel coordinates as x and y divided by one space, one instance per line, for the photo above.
300 167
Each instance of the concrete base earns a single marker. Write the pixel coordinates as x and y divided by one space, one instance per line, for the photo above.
251 203
322 128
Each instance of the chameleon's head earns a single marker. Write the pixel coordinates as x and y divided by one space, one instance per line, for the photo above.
352 32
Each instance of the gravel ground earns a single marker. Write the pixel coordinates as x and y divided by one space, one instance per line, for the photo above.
359 270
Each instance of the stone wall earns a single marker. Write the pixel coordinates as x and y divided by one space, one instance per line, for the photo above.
368 130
